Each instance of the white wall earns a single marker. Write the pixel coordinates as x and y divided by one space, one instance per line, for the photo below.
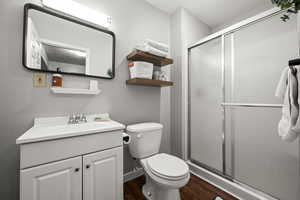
185 30
176 52
246 15
133 20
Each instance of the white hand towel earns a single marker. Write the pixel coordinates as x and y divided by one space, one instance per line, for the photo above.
157 45
295 130
151 50
290 111
284 123
281 87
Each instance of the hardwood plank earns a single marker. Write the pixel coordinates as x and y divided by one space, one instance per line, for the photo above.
133 189
196 189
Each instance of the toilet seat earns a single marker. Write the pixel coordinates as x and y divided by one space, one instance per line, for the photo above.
168 167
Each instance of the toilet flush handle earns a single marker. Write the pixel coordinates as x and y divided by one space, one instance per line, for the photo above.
139 136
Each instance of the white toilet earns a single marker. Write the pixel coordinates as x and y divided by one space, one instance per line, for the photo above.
165 174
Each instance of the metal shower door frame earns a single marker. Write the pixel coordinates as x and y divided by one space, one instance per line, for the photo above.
222 34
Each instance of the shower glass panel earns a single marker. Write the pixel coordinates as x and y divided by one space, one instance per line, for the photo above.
258 157
261 159
261 51
205 101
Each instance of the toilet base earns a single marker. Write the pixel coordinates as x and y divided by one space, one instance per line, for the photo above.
154 191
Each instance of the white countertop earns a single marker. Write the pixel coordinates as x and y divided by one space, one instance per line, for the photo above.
42 131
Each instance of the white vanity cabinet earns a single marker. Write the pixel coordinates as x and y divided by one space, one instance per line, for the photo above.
96 176
101 175
87 165
59 180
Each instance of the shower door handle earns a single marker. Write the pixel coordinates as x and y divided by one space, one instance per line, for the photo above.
256 105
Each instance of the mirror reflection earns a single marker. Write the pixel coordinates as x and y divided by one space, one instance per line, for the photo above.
54 44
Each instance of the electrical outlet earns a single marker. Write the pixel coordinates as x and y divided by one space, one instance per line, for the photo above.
39 80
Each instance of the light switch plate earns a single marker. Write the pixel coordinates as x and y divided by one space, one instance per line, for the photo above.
39 80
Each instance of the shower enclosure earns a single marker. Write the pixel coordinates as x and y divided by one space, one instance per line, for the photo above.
233 113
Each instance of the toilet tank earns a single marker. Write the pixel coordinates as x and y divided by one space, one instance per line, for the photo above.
145 139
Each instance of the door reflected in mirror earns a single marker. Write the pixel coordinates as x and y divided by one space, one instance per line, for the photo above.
54 43
63 58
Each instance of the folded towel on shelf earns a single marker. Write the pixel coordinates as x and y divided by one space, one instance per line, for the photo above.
289 124
157 45
151 50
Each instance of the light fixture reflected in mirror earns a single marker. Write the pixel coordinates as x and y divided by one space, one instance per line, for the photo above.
78 53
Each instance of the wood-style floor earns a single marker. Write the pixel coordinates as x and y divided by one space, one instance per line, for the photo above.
196 189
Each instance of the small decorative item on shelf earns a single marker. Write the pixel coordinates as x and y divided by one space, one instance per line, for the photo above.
93 85
57 79
163 76
160 75
156 75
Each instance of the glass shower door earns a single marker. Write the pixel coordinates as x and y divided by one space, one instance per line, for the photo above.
233 113
259 158
205 100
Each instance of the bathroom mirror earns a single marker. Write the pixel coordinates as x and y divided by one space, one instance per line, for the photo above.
54 42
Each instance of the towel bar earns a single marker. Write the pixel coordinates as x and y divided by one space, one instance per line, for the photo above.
251 105
293 63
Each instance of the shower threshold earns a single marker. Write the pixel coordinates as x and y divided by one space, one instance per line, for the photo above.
233 187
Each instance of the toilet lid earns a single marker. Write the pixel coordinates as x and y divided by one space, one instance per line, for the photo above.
168 166
144 127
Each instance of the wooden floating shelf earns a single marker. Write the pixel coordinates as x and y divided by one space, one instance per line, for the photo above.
138 55
149 82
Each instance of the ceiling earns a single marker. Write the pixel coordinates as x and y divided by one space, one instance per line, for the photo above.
214 12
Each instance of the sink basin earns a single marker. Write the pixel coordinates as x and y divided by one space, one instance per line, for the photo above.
58 127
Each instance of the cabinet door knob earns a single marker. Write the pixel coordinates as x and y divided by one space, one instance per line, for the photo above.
77 169
87 166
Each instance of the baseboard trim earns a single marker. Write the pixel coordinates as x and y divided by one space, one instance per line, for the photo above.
133 175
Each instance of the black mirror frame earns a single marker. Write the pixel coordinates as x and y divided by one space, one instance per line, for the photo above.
58 14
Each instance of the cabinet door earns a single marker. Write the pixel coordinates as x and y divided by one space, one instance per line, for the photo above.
55 181
103 175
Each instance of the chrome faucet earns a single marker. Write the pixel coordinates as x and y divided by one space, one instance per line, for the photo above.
83 118
71 119
77 119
